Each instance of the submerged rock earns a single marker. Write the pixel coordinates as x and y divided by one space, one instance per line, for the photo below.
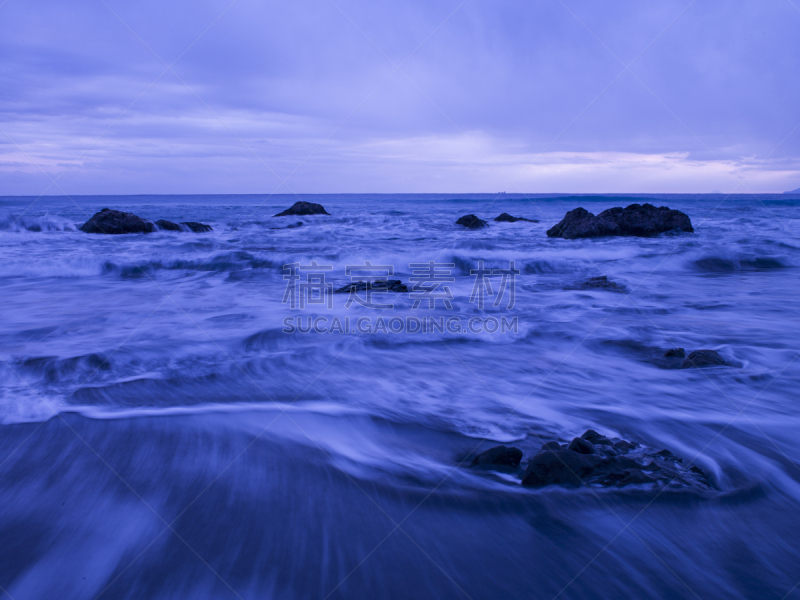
499 456
302 209
702 358
393 285
602 282
291 226
197 227
116 222
471 222
507 218
594 459
675 352
642 220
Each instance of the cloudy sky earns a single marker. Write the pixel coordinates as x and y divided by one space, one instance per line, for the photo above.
251 96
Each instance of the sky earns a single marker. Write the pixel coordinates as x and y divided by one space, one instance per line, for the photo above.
342 96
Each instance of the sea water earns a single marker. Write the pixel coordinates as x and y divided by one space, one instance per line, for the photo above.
165 434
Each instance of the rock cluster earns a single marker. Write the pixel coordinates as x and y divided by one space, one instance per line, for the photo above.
393 285
110 221
642 220
302 209
594 459
702 358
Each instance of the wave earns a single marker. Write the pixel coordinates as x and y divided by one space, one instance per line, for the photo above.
36 224
723 264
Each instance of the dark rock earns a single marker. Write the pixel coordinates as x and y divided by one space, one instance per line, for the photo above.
471 222
602 283
702 358
168 225
595 438
621 464
507 218
302 209
197 227
116 222
499 455
550 446
581 446
676 352
627 477
393 285
643 220
559 467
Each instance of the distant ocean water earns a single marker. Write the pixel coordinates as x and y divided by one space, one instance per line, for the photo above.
163 437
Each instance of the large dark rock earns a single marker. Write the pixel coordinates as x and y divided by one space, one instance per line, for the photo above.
471 222
304 208
507 218
643 220
116 222
702 358
393 285
499 456
594 459
197 227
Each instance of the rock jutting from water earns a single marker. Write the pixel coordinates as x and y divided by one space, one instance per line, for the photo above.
471 222
641 220
393 285
498 456
594 459
197 227
702 358
602 282
507 218
168 225
675 353
110 221
302 209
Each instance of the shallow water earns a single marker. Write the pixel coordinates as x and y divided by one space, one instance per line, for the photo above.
163 437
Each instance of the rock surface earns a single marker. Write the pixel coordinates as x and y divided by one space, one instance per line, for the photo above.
702 358
499 455
642 220
304 208
471 222
393 285
507 218
675 352
197 227
168 225
116 222
594 459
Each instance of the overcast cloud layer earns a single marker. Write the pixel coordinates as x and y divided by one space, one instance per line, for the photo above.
209 96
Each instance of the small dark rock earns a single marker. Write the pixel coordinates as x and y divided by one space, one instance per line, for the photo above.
643 220
625 446
499 455
116 222
550 446
197 227
168 225
471 222
304 208
627 477
507 218
602 282
581 446
678 352
393 285
595 438
702 358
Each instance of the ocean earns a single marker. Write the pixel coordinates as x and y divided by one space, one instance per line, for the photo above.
197 415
